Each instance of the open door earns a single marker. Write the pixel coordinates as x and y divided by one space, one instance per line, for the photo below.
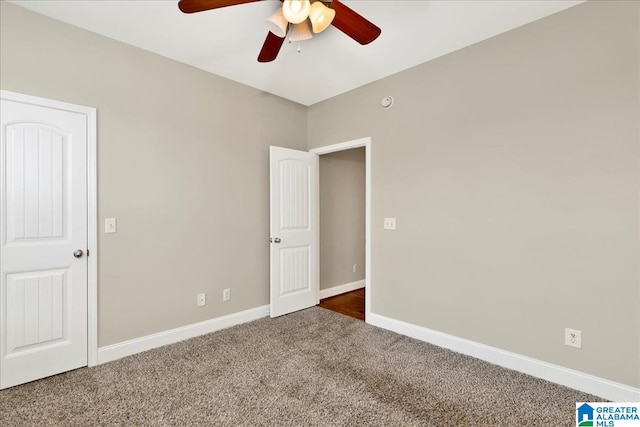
294 230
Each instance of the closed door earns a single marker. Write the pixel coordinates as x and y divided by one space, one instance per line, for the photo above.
294 230
43 234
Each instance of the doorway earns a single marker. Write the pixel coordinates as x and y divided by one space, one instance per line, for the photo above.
350 303
342 286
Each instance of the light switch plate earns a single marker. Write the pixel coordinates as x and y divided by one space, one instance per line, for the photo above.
109 225
389 223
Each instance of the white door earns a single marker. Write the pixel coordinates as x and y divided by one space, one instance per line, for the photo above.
294 230
43 242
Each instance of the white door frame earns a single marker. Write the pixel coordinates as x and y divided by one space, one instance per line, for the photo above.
356 143
92 209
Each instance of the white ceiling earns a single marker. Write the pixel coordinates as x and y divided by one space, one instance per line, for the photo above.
226 41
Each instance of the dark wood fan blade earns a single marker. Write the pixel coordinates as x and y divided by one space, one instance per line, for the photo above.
191 6
270 48
354 25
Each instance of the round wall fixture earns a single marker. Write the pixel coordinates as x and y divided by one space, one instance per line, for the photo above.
387 102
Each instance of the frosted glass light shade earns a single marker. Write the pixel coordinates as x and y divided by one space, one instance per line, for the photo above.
300 32
277 23
296 11
320 16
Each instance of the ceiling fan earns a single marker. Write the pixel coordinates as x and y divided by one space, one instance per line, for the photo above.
294 18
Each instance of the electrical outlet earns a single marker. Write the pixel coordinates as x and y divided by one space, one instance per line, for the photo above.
389 223
573 338
355 267
201 300
226 295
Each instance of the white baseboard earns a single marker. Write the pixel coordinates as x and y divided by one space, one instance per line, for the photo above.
341 289
577 380
137 345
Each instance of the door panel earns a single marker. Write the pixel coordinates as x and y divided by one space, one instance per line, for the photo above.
294 269
294 195
35 309
294 230
43 287
35 192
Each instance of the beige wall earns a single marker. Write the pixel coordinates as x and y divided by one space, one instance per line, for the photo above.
342 215
182 165
512 168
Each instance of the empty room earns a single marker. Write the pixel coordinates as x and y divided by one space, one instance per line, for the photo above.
323 213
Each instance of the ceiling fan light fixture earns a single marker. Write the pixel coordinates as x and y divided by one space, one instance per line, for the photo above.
320 16
277 24
296 11
300 32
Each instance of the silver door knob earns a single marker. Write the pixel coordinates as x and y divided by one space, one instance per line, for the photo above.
277 240
78 253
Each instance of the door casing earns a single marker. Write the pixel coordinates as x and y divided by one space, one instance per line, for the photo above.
92 209
356 143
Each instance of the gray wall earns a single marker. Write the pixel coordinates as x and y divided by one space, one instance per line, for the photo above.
342 216
182 164
512 168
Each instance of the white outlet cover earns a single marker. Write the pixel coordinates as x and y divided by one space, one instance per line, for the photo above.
201 299
389 223
573 338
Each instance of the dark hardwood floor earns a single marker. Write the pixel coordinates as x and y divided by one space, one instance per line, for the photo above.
350 304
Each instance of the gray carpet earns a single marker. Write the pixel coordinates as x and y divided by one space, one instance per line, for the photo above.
311 368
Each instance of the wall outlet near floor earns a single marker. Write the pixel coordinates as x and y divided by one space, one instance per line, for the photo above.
355 267
201 299
573 338
226 295
389 223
